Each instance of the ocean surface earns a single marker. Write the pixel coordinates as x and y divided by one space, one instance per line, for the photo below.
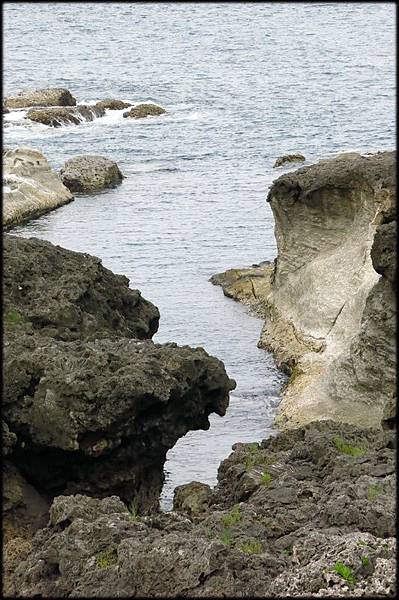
242 83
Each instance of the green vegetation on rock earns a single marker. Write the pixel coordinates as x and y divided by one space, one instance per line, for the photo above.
233 517
107 558
345 448
226 537
344 572
13 317
265 478
251 547
373 492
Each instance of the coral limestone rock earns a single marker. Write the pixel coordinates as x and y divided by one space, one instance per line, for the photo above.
43 97
31 186
56 117
144 110
288 158
87 174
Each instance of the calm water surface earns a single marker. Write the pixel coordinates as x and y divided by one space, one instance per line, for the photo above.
242 83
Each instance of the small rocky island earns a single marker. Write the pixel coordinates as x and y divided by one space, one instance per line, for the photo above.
92 404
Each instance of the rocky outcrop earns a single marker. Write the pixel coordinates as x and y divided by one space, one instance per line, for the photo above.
90 405
249 285
141 111
289 158
43 97
30 187
307 512
329 320
67 295
56 117
88 174
112 104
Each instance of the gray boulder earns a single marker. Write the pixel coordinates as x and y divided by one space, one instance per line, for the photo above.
289 158
112 104
88 174
42 97
141 111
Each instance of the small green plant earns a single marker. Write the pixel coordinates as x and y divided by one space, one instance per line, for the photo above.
344 572
362 543
107 558
13 317
251 547
265 478
226 537
253 447
365 560
232 517
133 511
373 492
286 552
345 448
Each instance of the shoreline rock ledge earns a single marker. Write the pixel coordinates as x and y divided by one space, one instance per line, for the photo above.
42 97
30 187
329 305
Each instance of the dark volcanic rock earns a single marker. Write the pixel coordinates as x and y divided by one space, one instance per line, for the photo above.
88 174
112 104
144 110
43 97
69 295
56 117
98 417
281 535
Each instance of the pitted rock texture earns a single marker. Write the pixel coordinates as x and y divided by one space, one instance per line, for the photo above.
112 104
141 111
43 97
330 317
69 295
30 187
98 417
289 158
258 537
89 174
56 117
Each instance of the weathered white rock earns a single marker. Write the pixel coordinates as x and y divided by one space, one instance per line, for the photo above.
31 187
326 303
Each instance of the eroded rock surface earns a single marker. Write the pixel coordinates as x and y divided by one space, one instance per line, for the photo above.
328 499
289 158
141 111
112 104
30 187
56 117
88 174
43 97
69 295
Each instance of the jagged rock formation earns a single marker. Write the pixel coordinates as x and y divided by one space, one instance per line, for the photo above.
112 104
69 295
288 158
283 515
88 174
141 111
43 97
329 302
56 117
30 186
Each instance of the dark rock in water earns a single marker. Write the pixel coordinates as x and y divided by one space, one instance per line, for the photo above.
69 295
43 97
322 494
144 110
99 417
90 174
288 158
56 117
111 104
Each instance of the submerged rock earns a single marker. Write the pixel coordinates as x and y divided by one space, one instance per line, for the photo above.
289 158
30 187
56 117
43 97
328 498
144 110
87 174
69 295
112 104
